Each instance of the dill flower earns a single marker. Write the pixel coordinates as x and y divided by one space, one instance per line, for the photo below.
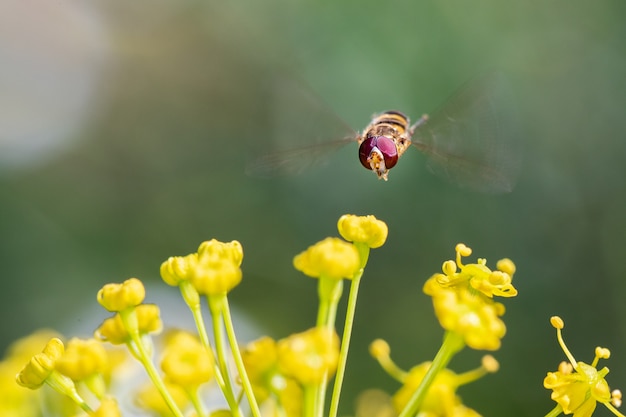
330 258
85 361
216 268
310 356
576 386
441 399
463 299
269 383
40 367
118 297
14 399
363 229
113 330
185 361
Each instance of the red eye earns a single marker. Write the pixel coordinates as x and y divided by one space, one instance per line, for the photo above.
381 144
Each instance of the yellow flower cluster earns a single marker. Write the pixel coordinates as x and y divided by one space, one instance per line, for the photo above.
463 299
281 369
213 269
441 399
576 386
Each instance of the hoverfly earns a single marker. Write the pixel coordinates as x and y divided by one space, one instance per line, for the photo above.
470 141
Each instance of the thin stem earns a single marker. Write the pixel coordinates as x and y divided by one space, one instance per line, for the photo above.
190 296
197 404
452 343
218 335
345 344
234 347
137 346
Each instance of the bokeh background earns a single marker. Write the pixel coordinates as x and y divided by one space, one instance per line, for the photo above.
126 127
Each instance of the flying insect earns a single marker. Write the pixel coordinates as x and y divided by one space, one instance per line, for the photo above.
471 141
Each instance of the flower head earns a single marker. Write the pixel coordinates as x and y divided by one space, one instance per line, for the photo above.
216 268
330 258
41 366
118 297
82 359
260 358
113 330
178 268
309 356
185 361
463 299
576 386
363 229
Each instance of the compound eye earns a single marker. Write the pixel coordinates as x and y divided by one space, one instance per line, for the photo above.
378 144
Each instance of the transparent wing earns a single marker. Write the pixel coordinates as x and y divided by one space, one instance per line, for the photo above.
472 141
303 132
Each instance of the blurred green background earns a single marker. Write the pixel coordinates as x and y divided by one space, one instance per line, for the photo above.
127 127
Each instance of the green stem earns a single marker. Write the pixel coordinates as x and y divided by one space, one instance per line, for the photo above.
197 404
556 411
136 345
234 347
191 297
65 386
452 343
218 335
345 344
329 291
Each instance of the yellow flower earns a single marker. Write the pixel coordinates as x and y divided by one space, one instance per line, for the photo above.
475 317
118 297
463 300
363 229
576 386
185 361
216 267
478 276
15 400
40 366
441 399
178 268
82 359
260 358
309 356
330 258
112 330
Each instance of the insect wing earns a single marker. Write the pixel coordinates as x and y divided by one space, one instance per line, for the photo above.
472 141
303 132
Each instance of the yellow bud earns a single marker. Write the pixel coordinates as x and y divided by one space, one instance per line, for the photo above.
185 361
506 265
379 348
490 364
309 356
40 366
331 258
177 269
82 359
557 322
112 330
118 297
215 249
463 250
363 229
215 276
